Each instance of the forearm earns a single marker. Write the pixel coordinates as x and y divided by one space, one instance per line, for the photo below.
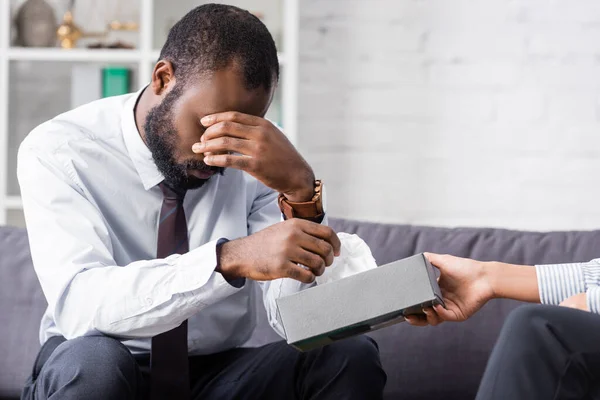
142 299
231 257
548 284
517 282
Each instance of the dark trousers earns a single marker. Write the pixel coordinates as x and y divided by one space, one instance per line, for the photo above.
545 352
99 367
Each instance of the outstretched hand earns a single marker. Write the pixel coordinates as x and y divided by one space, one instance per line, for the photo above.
465 288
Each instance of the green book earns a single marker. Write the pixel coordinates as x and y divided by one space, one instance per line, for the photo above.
115 81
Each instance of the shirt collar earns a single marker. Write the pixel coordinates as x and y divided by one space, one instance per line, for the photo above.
138 151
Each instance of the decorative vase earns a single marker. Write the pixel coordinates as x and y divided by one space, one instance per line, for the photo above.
36 24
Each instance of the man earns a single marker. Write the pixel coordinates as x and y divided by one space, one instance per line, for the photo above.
543 352
151 218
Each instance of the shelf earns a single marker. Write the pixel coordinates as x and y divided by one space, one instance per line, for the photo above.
88 55
55 54
13 203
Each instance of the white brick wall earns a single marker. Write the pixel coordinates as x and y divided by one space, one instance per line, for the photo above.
454 112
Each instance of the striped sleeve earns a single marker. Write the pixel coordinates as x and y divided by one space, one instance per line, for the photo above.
557 282
593 299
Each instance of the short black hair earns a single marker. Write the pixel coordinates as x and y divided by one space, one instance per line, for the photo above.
212 36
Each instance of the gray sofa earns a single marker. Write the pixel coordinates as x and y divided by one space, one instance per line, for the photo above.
444 362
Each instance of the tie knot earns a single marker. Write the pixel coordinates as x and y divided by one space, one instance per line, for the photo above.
170 193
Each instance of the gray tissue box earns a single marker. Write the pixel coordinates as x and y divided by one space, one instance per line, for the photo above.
360 303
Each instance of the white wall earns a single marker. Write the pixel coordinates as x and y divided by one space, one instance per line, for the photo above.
167 13
454 112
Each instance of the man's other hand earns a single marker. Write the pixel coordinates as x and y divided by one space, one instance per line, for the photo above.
277 251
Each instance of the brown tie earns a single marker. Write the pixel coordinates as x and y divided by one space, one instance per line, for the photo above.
169 367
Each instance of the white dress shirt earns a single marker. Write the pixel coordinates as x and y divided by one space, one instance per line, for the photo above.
92 205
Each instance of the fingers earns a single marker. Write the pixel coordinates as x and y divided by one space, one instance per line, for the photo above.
322 232
228 128
416 320
295 271
310 260
435 259
232 116
319 247
444 314
440 261
429 317
224 144
433 318
242 162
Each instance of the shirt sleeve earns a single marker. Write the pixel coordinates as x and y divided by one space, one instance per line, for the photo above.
593 299
558 282
264 213
87 292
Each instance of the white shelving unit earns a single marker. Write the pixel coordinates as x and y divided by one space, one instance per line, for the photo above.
143 57
85 55
76 55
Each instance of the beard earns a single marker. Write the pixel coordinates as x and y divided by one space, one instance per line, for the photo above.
161 139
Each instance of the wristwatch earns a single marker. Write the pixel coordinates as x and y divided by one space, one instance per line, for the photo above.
310 210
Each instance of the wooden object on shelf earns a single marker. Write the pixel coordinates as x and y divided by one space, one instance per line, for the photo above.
36 23
123 26
69 32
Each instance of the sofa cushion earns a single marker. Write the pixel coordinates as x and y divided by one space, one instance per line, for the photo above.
22 304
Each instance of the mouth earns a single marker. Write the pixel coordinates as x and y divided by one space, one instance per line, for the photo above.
204 174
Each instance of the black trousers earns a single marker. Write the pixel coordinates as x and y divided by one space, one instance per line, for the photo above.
99 367
545 352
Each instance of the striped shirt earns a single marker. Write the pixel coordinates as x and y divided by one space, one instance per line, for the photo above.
558 282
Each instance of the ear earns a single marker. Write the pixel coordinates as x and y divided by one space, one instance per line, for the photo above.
163 77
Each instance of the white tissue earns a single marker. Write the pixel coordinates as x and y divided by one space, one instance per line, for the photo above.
355 257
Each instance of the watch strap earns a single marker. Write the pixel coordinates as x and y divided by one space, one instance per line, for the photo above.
310 210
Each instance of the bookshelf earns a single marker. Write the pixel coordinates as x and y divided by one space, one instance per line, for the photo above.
155 16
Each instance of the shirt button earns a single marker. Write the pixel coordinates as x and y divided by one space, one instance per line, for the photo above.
149 301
